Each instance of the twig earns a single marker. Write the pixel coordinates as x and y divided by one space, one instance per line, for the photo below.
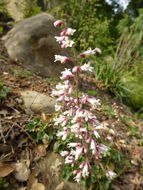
1 132
22 130
26 133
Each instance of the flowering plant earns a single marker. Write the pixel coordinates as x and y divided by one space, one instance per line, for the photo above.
77 124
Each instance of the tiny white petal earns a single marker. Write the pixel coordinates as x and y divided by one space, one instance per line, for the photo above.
87 67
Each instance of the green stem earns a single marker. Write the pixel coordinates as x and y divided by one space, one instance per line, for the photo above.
77 77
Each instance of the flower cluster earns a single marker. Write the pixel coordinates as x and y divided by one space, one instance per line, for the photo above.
75 119
64 38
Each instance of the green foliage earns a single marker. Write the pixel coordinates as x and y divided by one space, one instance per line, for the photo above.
39 130
30 8
134 131
129 58
52 80
3 7
92 24
92 92
36 129
4 14
135 99
23 74
111 77
4 91
133 7
109 110
1 29
4 184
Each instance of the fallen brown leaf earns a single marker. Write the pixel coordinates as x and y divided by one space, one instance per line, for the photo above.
40 150
5 170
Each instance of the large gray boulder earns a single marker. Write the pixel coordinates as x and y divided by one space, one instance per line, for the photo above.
32 43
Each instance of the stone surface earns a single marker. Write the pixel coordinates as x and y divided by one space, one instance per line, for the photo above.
54 164
32 43
37 102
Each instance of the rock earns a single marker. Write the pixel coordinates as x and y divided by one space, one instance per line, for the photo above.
22 172
54 164
32 42
37 102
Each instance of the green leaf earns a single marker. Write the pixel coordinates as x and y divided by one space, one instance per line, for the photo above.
1 29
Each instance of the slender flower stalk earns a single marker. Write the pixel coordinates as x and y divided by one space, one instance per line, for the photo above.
76 123
76 64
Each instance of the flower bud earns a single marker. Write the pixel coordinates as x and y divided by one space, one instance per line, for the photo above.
58 23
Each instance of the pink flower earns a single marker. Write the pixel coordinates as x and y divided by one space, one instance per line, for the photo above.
61 38
87 115
95 130
75 127
79 113
75 172
93 146
61 98
61 120
94 121
98 50
62 86
62 59
84 99
76 69
78 176
67 43
110 174
102 149
90 100
79 151
63 33
57 92
89 140
87 53
68 31
93 101
58 23
87 67
63 134
64 153
66 74
82 130
69 159
62 90
96 134
57 107
72 145
85 169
